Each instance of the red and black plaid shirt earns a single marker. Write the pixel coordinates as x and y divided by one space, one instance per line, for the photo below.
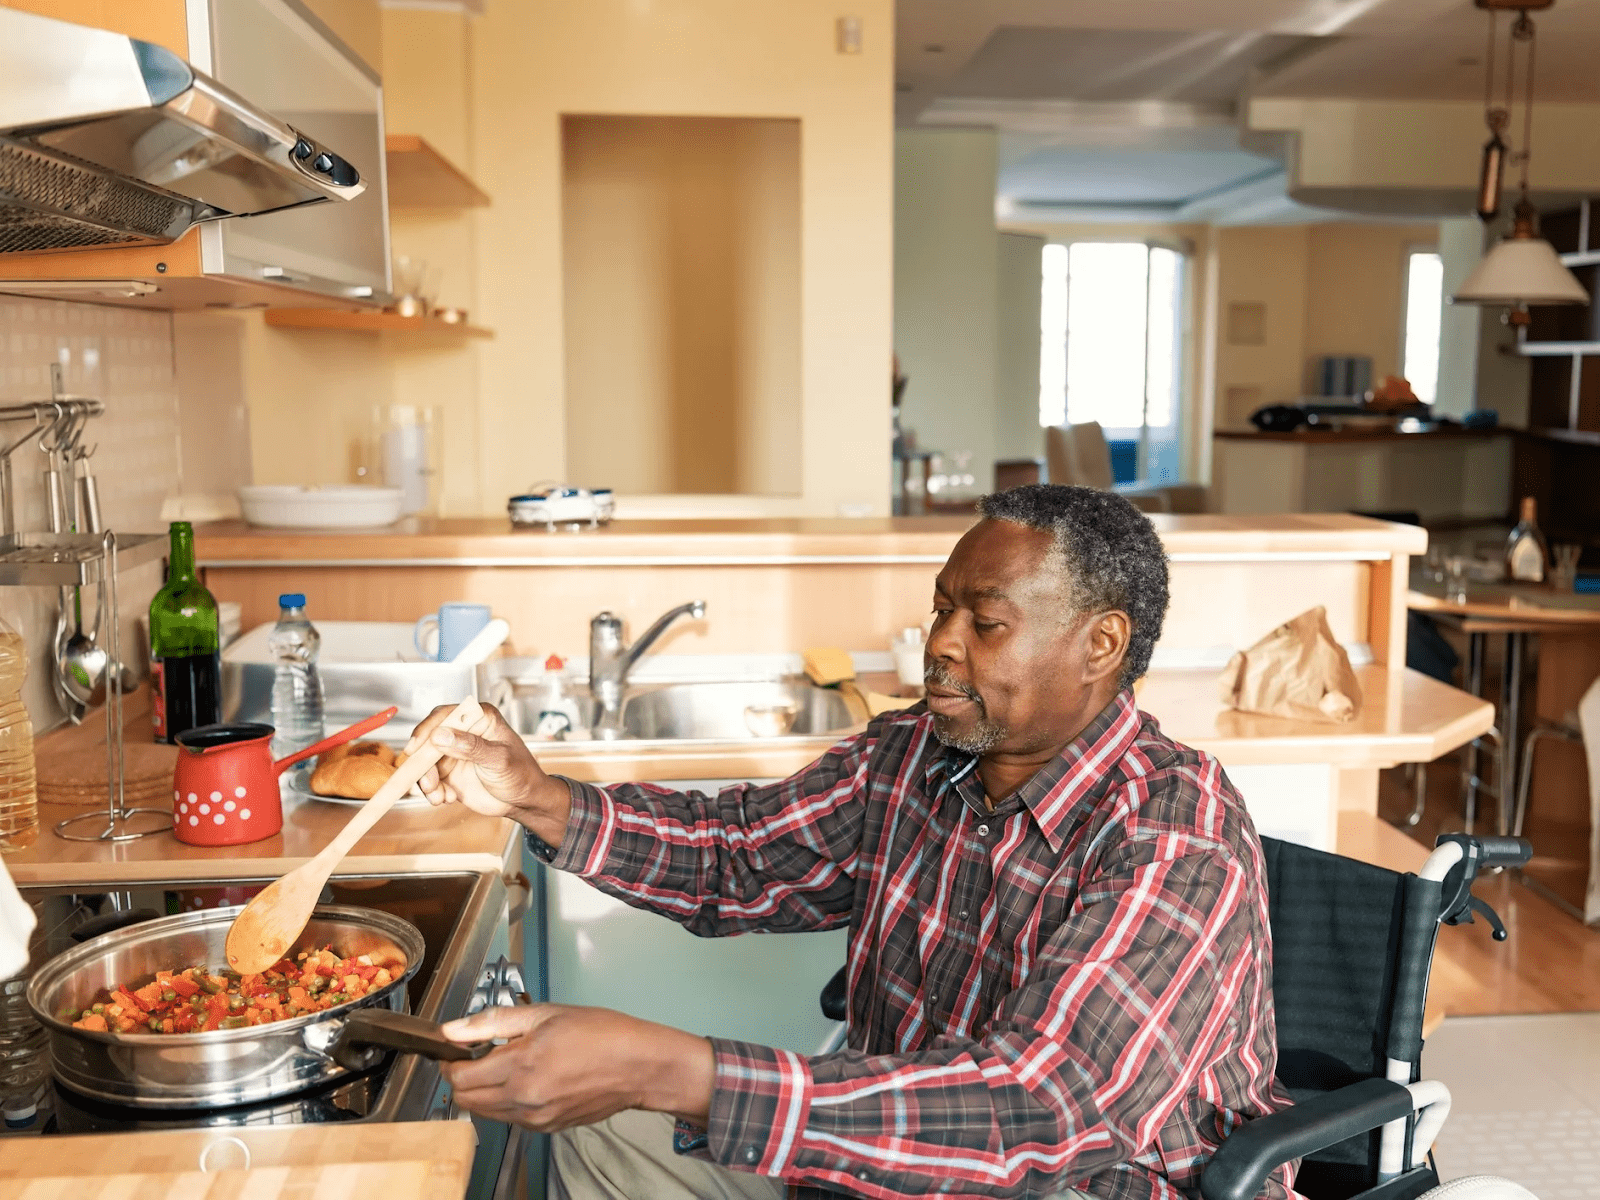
1072 990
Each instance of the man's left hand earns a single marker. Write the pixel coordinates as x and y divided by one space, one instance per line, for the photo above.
566 1066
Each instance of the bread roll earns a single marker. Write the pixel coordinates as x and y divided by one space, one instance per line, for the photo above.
355 771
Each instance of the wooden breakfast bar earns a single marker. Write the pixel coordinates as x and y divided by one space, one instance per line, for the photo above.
780 586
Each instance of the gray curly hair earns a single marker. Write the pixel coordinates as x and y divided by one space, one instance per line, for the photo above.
1106 549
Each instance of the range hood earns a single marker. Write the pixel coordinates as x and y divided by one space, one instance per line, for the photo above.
106 140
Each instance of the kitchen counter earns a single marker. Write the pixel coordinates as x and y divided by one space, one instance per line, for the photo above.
490 542
412 838
1369 433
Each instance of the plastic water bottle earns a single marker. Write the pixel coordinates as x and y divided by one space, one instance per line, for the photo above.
19 799
296 687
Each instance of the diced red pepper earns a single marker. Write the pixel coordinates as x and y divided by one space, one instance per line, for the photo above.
129 1000
183 986
364 971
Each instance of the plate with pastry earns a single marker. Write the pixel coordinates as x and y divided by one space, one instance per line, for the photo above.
352 774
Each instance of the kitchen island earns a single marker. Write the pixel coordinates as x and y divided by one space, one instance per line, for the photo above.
780 586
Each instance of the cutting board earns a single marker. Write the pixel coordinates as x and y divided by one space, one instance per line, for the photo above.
423 1160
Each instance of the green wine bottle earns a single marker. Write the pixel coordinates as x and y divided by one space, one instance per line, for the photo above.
185 668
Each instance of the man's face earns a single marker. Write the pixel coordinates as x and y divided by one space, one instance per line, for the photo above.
1006 670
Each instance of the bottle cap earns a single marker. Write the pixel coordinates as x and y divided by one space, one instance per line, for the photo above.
554 663
292 600
19 1111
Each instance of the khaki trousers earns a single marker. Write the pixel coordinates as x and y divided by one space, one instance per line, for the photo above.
630 1157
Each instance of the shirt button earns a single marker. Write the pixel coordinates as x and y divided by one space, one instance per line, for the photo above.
963 914
983 831
752 1154
862 1175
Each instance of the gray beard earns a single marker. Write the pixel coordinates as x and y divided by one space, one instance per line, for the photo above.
981 739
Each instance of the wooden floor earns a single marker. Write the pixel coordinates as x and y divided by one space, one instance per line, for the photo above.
1550 962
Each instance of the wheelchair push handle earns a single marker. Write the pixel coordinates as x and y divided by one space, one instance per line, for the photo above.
1504 851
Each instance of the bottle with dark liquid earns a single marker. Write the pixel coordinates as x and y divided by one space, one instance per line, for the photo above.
185 668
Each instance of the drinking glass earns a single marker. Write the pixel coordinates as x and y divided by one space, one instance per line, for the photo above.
1564 566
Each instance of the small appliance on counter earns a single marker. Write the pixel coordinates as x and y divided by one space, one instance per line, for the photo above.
551 506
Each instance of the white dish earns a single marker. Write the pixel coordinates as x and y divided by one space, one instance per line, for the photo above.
297 785
354 506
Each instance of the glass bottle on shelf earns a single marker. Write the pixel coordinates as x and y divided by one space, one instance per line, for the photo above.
1526 555
185 666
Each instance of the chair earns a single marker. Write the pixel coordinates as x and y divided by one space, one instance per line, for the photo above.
1079 454
1352 948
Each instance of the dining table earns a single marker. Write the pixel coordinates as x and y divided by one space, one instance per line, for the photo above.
1514 611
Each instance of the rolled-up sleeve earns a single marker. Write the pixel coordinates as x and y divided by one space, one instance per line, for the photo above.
776 858
1127 1007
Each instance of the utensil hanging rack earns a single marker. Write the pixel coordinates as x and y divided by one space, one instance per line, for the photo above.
64 558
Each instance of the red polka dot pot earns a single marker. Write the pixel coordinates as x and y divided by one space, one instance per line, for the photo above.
225 787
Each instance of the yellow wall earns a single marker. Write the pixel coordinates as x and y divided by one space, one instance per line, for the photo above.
538 59
681 277
1335 288
1355 293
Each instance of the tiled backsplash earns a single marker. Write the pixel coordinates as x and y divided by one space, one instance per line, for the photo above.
124 358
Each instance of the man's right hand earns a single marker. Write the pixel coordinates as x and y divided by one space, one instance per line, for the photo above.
492 773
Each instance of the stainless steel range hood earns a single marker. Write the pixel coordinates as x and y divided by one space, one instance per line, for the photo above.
106 140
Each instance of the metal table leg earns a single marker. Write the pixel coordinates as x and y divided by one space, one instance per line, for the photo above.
1510 706
1470 761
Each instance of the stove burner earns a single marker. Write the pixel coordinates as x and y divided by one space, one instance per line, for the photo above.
347 1099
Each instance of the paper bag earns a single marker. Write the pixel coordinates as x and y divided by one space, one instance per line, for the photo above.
1296 671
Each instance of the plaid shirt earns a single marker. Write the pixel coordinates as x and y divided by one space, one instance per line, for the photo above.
1070 990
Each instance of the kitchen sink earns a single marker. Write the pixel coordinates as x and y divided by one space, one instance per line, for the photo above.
734 711
703 710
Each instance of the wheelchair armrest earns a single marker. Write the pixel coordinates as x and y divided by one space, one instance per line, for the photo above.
1257 1148
835 996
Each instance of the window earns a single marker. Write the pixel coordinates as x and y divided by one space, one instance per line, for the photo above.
1424 309
1111 349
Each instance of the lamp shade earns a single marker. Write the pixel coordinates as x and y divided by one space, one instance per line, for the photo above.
1521 270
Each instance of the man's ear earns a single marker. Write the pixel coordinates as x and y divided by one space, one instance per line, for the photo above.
1107 635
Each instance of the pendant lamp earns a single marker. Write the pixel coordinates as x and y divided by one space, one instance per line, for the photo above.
1523 269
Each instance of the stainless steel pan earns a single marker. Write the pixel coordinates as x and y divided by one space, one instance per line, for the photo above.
227 1066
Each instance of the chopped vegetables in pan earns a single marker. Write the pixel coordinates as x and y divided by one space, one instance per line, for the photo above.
194 999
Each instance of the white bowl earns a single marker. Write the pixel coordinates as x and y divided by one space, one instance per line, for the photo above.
336 507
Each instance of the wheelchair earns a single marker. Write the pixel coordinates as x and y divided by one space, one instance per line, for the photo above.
1352 948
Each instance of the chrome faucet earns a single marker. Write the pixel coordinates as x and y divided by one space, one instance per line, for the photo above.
610 661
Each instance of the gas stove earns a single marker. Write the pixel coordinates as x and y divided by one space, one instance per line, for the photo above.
466 965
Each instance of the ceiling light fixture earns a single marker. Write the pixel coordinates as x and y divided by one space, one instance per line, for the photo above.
1523 269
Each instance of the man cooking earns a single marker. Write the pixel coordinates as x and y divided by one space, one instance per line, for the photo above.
1059 963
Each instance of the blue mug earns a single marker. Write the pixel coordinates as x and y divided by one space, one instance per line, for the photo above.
455 624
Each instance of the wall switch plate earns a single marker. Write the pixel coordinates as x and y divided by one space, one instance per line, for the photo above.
847 35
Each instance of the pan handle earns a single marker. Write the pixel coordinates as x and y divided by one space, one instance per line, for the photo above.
368 1030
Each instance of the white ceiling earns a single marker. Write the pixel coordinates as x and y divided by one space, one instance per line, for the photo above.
1107 106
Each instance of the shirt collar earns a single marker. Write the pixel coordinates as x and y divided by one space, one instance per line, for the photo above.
1078 773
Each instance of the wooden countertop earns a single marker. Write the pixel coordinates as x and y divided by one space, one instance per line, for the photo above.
408 838
492 542
1315 437
1431 720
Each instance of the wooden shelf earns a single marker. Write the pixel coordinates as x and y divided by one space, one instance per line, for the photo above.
370 322
421 177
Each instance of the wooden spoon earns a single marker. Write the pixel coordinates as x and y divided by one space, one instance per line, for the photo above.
272 921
